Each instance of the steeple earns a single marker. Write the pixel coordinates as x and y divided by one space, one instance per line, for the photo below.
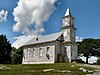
68 28
67 12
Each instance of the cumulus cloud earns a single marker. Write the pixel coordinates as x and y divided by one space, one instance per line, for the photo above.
79 39
3 15
21 40
30 15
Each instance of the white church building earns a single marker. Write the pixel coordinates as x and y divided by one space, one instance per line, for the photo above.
52 48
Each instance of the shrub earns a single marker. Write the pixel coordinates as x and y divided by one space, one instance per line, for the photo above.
17 55
80 61
98 61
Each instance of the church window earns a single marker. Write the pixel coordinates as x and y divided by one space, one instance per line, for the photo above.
48 50
36 39
65 32
33 52
26 52
29 52
68 32
63 21
40 52
47 53
66 23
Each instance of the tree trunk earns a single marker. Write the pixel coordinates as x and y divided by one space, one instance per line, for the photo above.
87 59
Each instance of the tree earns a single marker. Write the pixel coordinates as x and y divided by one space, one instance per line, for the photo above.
5 50
17 55
86 47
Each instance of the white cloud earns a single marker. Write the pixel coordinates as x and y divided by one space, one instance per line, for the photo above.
79 39
21 40
30 16
32 13
3 15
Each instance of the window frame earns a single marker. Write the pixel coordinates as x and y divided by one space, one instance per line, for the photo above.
40 52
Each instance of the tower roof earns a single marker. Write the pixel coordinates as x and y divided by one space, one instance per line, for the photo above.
67 12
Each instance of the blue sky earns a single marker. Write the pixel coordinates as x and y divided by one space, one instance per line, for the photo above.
85 12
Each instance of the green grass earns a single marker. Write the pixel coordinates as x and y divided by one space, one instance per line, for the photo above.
38 69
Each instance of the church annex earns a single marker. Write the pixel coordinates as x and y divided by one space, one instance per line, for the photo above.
52 48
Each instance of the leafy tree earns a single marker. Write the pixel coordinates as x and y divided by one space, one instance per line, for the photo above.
5 50
17 55
86 47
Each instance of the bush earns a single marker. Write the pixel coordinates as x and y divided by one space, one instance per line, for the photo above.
17 55
98 61
80 61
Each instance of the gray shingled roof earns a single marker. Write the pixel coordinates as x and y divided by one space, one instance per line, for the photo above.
42 39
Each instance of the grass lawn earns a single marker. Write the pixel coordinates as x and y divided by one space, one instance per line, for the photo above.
38 69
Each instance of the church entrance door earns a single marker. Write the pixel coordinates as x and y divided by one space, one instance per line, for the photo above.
60 58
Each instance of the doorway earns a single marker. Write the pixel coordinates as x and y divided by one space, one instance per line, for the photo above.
60 58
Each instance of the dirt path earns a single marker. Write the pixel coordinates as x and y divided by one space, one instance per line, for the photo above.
97 72
87 65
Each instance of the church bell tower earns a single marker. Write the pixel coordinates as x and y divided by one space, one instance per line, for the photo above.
68 28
